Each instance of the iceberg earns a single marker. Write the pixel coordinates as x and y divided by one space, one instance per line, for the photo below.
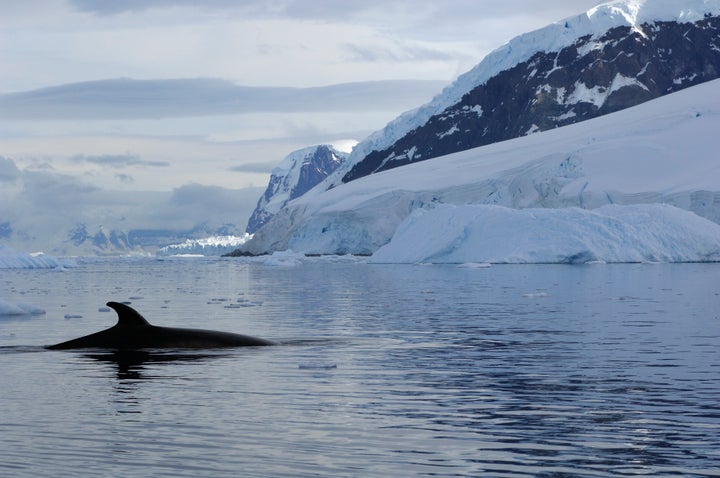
17 309
13 259
449 234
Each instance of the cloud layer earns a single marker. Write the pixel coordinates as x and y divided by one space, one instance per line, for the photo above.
134 99
39 208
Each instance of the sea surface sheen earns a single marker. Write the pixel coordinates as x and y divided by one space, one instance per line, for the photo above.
383 370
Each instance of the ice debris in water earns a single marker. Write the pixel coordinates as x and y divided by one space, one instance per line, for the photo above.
19 308
317 366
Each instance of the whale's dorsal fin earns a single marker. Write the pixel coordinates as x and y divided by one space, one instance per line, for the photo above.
127 316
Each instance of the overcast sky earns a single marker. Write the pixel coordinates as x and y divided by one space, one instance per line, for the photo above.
157 94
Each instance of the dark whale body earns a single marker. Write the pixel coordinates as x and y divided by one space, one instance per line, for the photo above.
133 332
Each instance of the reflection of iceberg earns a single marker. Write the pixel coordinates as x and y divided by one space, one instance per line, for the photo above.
12 259
494 234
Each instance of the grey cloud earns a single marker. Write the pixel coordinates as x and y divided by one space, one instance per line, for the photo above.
9 172
118 160
193 204
134 99
38 216
53 191
448 16
100 7
125 178
402 54
332 9
198 195
313 9
253 168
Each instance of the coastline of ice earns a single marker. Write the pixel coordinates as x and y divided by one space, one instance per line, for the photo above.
486 234
210 246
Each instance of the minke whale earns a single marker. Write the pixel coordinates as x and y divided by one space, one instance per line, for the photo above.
133 332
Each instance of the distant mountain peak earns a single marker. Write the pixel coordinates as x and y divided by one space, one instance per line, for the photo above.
299 172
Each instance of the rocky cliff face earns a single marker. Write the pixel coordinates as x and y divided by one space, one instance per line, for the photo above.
595 75
299 172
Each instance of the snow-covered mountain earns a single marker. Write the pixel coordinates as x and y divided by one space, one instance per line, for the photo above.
612 57
662 151
625 108
299 172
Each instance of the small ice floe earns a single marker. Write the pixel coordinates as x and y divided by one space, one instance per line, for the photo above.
104 309
242 303
475 265
317 366
73 316
19 308
135 297
214 300
535 295
283 259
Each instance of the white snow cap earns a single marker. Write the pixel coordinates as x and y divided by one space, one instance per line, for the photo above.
554 37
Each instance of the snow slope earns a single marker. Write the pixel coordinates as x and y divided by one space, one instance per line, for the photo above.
663 151
495 234
552 38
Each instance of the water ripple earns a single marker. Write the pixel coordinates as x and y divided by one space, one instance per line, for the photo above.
381 371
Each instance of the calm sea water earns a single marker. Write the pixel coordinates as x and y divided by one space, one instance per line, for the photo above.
507 371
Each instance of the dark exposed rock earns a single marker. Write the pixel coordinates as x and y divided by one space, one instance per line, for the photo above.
300 171
595 76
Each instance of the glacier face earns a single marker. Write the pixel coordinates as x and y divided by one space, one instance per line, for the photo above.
209 246
663 151
299 172
449 234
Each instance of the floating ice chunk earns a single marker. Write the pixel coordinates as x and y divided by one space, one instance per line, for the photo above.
317 366
19 308
475 265
283 259
13 259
